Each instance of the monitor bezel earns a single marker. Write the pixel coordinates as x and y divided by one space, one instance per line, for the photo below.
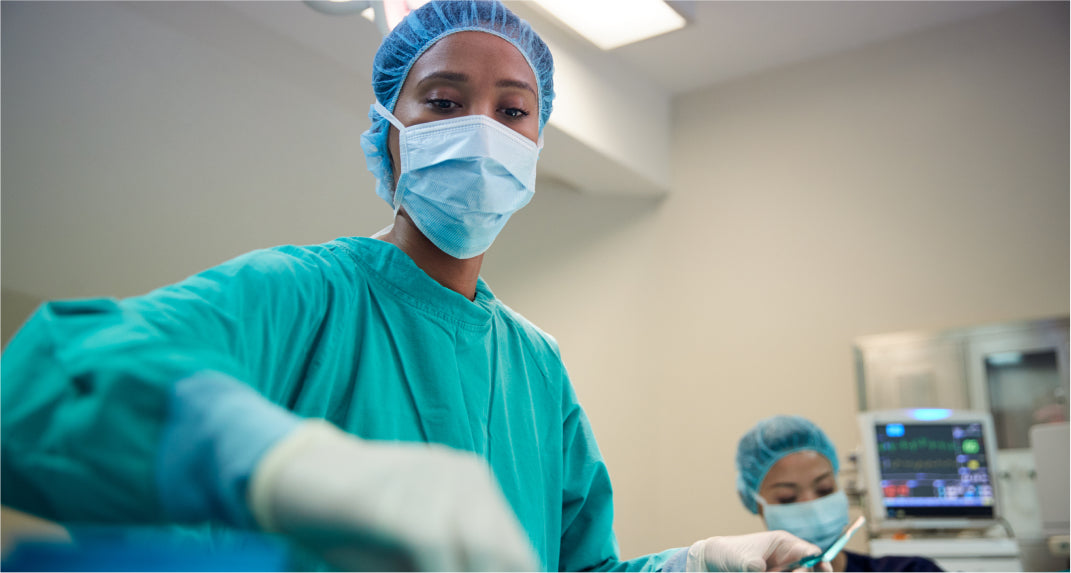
876 502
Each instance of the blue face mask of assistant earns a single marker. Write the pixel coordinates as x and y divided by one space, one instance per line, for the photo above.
460 179
819 521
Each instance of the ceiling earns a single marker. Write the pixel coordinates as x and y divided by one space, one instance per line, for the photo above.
723 39
726 39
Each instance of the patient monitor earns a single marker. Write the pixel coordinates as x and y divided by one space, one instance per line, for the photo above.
931 487
929 469
930 483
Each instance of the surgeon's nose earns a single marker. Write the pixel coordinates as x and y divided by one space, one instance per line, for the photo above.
483 107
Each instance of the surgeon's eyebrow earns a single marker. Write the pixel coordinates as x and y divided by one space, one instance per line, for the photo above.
793 485
456 77
515 84
822 477
461 78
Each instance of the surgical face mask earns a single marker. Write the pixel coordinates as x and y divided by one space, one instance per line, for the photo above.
819 521
460 179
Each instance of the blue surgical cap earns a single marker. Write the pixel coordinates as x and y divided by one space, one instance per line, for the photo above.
414 35
770 440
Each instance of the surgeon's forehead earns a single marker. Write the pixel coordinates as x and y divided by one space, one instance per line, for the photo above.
474 51
799 467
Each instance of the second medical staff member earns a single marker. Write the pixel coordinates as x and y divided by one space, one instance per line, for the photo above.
787 473
371 398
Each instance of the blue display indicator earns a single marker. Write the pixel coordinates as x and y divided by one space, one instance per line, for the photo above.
894 430
930 414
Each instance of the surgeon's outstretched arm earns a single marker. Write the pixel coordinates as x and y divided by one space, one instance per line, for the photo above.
163 409
99 395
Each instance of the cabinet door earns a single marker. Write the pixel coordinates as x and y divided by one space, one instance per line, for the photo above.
913 373
1021 377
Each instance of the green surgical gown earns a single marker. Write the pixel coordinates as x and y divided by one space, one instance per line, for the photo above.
351 331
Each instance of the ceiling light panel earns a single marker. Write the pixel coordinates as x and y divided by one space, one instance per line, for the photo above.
612 23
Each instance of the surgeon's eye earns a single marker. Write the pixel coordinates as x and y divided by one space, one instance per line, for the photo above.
824 492
784 500
442 105
515 113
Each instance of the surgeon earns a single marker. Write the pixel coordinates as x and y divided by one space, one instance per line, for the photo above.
369 398
787 473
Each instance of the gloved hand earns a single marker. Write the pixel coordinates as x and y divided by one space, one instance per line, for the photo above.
365 505
765 551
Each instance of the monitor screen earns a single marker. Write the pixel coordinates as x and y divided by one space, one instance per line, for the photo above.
934 470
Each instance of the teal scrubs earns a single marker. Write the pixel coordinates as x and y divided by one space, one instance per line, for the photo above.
351 331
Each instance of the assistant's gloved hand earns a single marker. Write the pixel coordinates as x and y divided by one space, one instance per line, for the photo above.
765 551
365 505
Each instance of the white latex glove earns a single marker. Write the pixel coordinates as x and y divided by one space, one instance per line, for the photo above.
365 505
765 551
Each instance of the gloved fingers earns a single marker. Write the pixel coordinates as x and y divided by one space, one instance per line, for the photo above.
726 553
783 549
765 551
454 516
821 566
509 550
482 509
753 565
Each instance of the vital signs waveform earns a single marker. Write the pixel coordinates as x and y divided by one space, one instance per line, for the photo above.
919 445
926 465
924 478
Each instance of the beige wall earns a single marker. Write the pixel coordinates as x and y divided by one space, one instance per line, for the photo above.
916 184
15 308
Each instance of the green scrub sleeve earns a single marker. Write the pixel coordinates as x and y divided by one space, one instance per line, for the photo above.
588 541
88 385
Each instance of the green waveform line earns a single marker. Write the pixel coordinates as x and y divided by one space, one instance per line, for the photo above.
923 465
919 444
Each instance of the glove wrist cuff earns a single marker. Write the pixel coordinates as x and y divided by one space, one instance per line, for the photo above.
696 556
262 482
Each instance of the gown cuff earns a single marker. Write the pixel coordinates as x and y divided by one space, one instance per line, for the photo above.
676 562
217 430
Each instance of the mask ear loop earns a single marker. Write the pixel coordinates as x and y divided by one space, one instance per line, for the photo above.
759 500
388 116
401 131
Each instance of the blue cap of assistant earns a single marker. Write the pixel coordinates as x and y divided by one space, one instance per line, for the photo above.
418 32
770 440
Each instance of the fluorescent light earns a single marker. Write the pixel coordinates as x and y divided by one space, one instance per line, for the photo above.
612 23
386 14
337 7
